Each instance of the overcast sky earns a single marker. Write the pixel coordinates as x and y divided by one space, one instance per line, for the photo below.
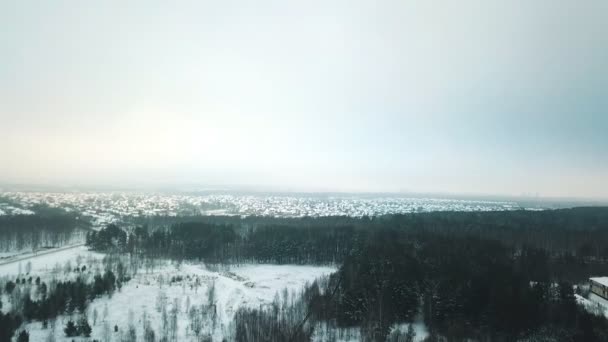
471 96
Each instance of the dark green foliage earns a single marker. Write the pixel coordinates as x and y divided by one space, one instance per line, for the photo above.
297 245
47 227
226 243
8 324
84 329
68 296
108 239
488 276
23 336
70 329
551 239
194 240
81 329
9 287
468 288
274 325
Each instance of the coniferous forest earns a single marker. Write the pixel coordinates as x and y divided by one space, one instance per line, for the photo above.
47 227
492 276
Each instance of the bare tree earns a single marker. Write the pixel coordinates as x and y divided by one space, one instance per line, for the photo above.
211 294
196 320
164 320
130 335
149 335
187 308
95 314
105 332
161 301
173 320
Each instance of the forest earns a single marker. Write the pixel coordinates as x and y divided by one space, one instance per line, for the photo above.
47 227
492 276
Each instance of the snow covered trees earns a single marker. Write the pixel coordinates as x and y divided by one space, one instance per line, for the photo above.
23 336
196 320
111 238
81 329
70 329
399 336
8 324
84 329
95 315
46 227
67 296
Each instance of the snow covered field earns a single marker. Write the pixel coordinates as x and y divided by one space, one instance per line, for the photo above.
46 263
167 292
172 289
324 333
595 304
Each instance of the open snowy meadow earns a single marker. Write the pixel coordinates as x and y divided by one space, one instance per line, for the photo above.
181 297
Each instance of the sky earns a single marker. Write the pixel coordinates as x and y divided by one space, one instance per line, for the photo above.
471 96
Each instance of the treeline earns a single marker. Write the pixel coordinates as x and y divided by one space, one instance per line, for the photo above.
67 297
497 276
46 227
465 288
228 244
580 231
31 298
35 300
8 324
286 319
568 244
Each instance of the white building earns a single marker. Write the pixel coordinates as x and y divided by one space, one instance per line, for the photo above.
599 286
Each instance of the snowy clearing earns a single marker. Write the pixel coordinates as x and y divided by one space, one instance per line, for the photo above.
176 288
594 304
45 262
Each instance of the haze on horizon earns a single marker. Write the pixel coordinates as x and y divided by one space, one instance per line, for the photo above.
493 97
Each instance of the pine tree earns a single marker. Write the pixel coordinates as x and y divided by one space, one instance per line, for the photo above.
411 334
70 329
23 336
84 329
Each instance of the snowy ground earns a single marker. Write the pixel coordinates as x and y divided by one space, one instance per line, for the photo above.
324 333
55 264
13 253
46 262
142 298
594 304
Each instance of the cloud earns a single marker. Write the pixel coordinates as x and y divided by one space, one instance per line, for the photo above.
474 96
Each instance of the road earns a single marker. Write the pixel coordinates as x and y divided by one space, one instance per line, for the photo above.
34 255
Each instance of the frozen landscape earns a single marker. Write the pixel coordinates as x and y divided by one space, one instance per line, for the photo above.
167 292
86 266
304 171
108 207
